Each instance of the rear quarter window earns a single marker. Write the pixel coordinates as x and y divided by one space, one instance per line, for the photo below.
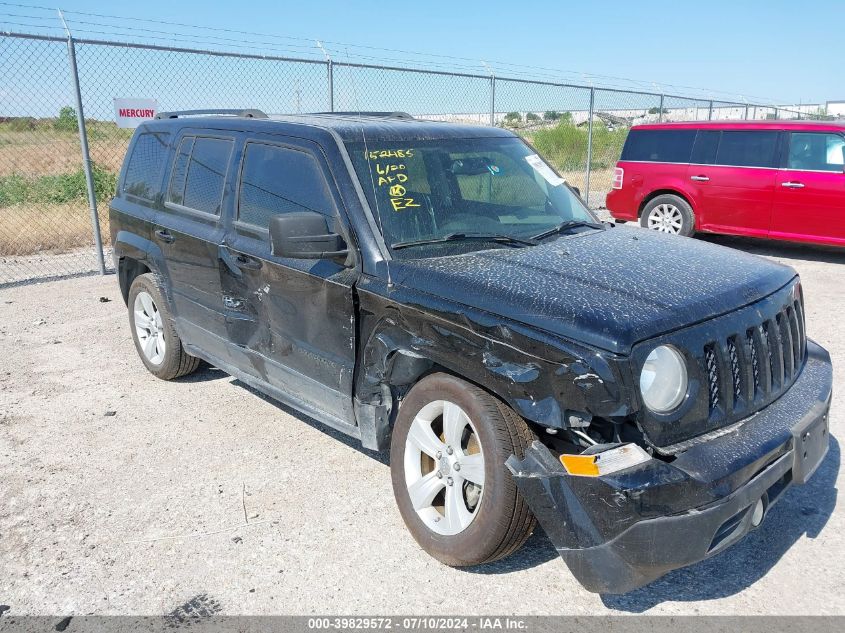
659 146
199 173
146 165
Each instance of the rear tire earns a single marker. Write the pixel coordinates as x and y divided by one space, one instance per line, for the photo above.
152 328
472 513
668 213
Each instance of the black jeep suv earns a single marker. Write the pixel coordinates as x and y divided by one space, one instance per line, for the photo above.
439 289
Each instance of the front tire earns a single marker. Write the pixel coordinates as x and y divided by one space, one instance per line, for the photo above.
447 463
155 337
669 214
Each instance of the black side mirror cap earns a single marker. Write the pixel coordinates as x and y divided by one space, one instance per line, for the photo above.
304 235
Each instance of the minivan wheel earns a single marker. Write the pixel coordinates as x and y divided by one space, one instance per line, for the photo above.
152 328
447 464
669 214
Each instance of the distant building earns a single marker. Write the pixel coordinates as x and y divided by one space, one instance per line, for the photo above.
836 108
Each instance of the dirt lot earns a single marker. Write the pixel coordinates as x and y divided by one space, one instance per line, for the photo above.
121 494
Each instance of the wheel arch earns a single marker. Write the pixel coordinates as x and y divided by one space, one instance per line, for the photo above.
134 255
128 269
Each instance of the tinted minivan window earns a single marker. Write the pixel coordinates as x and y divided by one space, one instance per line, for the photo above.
280 180
207 174
662 146
146 165
750 148
706 144
815 151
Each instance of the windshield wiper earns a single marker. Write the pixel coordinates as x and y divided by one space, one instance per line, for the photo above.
460 237
565 226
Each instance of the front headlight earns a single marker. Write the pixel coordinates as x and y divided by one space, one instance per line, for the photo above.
663 381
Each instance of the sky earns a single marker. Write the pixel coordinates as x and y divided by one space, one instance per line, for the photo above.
768 51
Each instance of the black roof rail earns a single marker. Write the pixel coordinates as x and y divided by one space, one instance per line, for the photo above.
249 114
381 115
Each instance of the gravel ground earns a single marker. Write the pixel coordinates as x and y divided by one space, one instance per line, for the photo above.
123 494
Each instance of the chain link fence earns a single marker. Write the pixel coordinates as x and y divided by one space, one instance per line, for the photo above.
51 193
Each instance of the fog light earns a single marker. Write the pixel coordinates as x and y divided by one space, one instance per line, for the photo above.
757 513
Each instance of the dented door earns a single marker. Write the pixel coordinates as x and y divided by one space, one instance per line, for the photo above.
290 321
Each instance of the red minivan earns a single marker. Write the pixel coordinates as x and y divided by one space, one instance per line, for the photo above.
776 179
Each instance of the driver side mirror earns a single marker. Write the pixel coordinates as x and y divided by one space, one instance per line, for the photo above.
304 235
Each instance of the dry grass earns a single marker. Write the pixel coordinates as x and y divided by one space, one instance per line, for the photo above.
47 154
30 229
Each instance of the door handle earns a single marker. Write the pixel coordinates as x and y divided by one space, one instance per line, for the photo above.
792 185
165 236
245 261
700 178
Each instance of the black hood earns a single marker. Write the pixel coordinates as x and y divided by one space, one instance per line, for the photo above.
610 288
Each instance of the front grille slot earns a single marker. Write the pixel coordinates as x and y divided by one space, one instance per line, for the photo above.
802 336
736 370
787 358
795 332
774 354
712 365
755 361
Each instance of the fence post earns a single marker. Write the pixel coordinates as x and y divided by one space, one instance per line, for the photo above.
660 111
329 73
710 111
492 100
746 111
86 156
589 146
330 67
777 114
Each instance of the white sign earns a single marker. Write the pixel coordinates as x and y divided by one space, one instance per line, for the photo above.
133 112
544 170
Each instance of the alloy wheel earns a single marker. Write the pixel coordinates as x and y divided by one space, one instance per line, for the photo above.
665 218
149 328
444 467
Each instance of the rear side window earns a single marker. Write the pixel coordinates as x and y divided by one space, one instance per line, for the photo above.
146 165
750 148
814 151
278 180
199 173
207 174
659 146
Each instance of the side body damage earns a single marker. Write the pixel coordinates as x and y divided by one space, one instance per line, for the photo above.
406 334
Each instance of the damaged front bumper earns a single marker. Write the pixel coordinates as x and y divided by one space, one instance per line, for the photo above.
621 531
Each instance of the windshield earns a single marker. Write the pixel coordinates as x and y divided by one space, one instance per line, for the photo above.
423 191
